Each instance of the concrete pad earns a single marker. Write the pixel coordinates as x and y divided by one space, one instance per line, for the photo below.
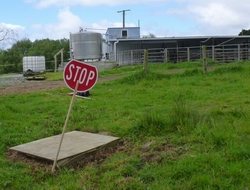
75 146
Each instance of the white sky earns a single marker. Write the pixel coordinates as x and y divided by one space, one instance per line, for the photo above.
55 19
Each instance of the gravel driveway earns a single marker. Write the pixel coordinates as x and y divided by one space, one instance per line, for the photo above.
6 80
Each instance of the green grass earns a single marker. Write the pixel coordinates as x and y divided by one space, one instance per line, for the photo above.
197 127
52 76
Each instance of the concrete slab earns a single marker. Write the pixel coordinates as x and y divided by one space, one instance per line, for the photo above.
75 146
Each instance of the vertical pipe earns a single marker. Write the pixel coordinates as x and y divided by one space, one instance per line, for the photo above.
115 50
123 22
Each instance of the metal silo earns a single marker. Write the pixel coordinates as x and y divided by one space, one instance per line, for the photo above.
86 46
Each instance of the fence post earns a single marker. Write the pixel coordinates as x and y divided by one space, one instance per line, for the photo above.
213 53
166 55
238 52
204 57
132 57
122 58
55 64
177 53
145 61
223 54
188 54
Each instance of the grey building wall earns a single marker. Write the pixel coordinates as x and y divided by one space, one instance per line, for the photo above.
113 34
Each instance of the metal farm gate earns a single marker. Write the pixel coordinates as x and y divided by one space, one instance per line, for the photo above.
221 53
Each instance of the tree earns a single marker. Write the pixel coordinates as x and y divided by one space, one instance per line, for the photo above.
244 32
8 35
22 47
11 59
149 36
49 48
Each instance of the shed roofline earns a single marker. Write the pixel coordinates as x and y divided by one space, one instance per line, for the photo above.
181 38
122 27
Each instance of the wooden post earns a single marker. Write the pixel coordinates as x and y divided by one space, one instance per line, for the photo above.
238 52
132 57
55 63
223 54
145 61
204 56
62 58
166 55
55 57
213 53
65 126
122 58
177 53
188 54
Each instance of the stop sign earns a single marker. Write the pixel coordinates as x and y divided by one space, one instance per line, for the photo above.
86 74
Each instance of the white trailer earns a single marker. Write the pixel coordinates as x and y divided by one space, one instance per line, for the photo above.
33 65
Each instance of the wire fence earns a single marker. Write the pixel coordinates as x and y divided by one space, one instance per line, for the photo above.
220 53
18 67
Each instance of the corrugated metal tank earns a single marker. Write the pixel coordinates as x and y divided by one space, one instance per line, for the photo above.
86 45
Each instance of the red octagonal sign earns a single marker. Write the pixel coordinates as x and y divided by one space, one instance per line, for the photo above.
85 73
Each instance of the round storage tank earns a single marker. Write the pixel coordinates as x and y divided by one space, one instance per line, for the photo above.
86 45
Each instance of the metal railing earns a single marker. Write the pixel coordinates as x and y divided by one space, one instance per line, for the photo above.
220 53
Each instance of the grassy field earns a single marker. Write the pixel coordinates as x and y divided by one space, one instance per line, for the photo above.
181 130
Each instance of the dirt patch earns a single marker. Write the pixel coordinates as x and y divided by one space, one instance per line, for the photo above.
17 157
36 164
161 152
34 86
25 86
154 154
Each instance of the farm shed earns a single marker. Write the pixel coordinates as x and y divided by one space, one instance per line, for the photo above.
127 50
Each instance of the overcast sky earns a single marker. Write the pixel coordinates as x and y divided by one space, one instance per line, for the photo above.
55 19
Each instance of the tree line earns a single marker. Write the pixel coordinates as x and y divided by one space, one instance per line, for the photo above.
11 59
244 32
